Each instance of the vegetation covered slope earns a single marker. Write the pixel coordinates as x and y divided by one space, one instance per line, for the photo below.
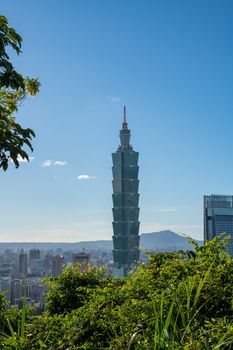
179 300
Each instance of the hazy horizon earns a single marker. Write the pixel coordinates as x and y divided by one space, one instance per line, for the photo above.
94 240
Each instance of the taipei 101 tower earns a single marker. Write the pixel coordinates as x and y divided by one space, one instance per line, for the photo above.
125 204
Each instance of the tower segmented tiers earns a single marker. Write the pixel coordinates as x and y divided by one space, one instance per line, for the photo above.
125 204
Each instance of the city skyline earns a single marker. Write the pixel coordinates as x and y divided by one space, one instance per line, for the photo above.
170 63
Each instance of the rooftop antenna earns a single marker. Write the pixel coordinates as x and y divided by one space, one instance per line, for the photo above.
124 114
124 125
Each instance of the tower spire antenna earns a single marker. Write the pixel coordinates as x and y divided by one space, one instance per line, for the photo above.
124 124
124 114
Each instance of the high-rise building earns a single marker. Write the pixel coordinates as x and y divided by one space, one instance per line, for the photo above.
218 217
23 267
16 290
82 259
57 265
125 204
34 254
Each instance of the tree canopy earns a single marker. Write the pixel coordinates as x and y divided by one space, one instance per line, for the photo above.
181 300
14 88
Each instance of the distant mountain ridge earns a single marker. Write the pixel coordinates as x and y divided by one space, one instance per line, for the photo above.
154 241
165 241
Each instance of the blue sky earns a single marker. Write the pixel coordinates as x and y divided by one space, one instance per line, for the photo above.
170 63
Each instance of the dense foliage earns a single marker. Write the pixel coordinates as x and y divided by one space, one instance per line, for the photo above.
14 88
179 300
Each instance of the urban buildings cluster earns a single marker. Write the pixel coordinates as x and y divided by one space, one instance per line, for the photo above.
22 271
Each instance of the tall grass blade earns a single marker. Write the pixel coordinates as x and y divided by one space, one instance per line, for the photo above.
169 316
10 328
200 286
133 337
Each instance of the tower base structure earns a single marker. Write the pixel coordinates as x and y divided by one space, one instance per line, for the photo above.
119 272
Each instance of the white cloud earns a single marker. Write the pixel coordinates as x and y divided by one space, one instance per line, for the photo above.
60 162
48 163
114 99
85 177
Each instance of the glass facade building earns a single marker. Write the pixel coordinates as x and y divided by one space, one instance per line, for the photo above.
218 217
125 204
